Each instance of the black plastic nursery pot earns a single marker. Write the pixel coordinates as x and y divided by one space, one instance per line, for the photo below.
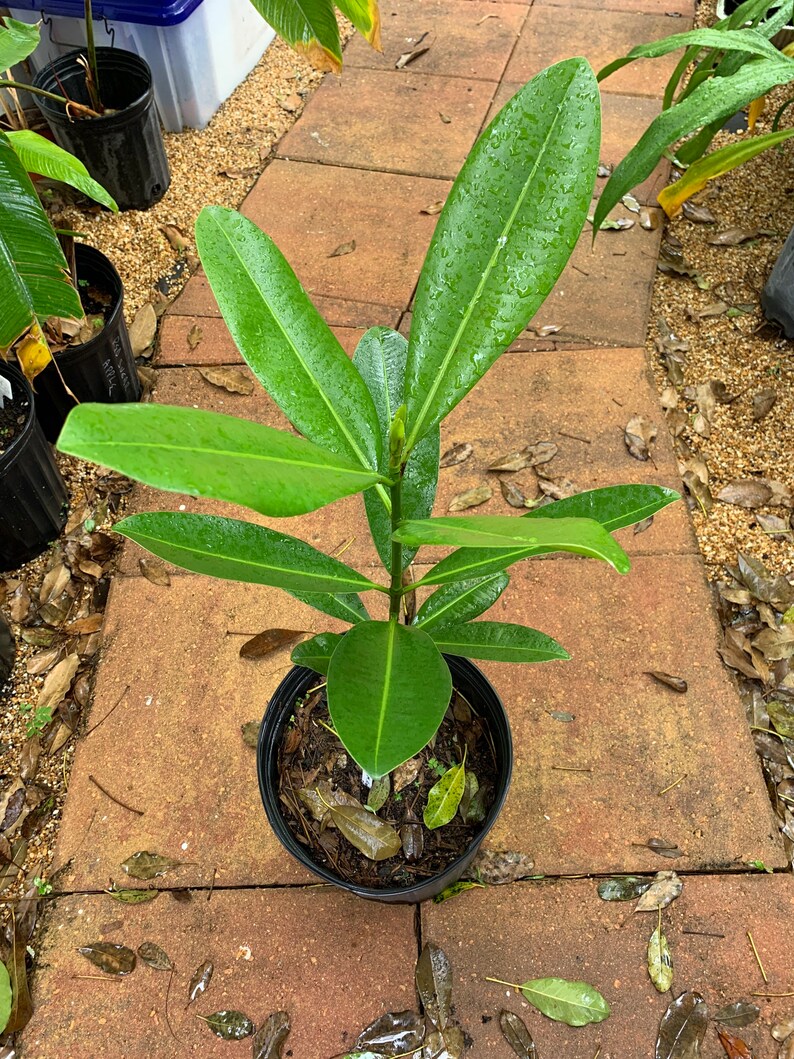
123 149
485 702
102 369
777 297
8 651
33 498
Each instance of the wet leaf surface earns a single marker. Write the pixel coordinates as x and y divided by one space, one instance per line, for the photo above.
21 1003
393 1034
572 1002
735 1047
660 962
512 493
457 454
229 1025
664 889
495 867
270 1037
676 683
371 836
200 980
153 956
517 1035
444 797
154 570
434 985
264 643
740 1013
455 890
133 897
378 793
471 498
639 436
664 848
623 888
233 380
146 866
109 957
682 1028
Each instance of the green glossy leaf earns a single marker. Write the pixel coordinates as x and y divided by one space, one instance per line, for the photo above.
201 453
380 359
713 101
229 1025
746 41
379 793
498 641
716 164
18 40
504 236
574 1003
365 16
133 897
660 962
308 26
460 602
240 551
444 797
39 155
623 888
582 536
614 507
371 836
346 607
316 653
287 344
5 996
388 690
455 890
34 277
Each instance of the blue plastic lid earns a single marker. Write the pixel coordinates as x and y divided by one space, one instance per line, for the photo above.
141 12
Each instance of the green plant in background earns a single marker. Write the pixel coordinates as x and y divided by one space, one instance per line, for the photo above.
34 275
722 70
506 232
310 27
36 720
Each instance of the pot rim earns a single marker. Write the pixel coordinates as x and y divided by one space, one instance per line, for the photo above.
14 450
67 64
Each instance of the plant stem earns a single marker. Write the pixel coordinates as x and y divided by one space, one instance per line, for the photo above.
85 111
92 82
396 587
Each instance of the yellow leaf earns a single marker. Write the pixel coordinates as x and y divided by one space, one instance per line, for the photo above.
33 353
756 110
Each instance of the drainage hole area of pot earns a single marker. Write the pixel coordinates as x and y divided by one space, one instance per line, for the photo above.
317 773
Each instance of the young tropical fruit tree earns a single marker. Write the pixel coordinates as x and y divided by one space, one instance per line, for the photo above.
371 425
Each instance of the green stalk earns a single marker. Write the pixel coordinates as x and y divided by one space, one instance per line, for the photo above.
87 111
396 565
92 80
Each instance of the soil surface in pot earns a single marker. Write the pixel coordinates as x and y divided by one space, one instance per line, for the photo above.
13 416
315 768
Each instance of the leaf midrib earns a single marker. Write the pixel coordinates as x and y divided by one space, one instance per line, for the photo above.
387 671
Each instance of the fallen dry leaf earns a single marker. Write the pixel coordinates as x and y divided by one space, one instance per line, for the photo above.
291 104
746 492
143 329
176 237
471 498
696 213
639 437
456 454
676 683
434 207
411 56
343 249
270 640
57 683
736 236
531 456
763 402
512 494
231 379
154 570
194 336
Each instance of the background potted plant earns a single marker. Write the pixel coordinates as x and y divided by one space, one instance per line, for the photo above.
506 231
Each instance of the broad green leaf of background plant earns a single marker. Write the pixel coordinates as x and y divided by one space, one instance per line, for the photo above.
614 507
365 16
504 236
460 602
745 40
582 536
347 606
201 453
316 653
34 278
574 1003
240 551
380 359
713 101
444 797
308 26
5 996
715 164
287 344
497 641
388 689
18 40
39 155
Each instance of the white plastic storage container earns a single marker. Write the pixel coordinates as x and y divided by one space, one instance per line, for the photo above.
196 64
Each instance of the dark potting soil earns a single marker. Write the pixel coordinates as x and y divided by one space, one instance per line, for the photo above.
13 416
311 755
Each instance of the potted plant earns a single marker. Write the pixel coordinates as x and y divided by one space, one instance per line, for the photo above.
398 682
99 104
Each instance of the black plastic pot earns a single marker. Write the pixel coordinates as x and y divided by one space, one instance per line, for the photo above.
777 297
123 150
8 650
33 499
102 369
478 692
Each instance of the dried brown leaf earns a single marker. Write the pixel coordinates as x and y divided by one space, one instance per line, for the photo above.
639 436
763 402
194 336
143 329
231 379
433 208
155 570
264 643
471 498
343 249
456 454
676 683
512 493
